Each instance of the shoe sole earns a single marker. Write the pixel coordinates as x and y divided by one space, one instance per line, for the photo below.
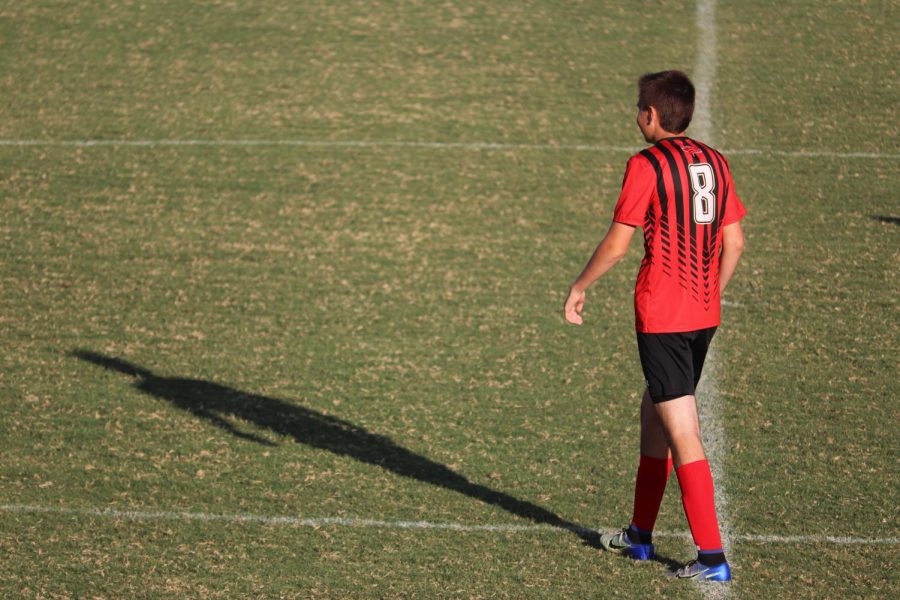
713 577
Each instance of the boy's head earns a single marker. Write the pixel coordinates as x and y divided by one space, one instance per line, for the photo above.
671 95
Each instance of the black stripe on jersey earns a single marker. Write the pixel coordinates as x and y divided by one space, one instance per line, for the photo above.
720 166
664 233
724 196
679 211
660 186
709 233
691 227
718 162
706 263
649 233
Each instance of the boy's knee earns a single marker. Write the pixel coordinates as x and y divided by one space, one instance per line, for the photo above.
686 440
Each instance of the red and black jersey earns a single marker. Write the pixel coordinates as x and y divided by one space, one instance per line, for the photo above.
681 193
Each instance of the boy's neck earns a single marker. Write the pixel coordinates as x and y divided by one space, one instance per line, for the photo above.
663 134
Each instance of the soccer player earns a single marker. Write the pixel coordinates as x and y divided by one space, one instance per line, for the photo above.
680 192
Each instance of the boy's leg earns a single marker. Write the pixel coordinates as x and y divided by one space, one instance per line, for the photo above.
650 484
653 437
682 426
672 363
652 474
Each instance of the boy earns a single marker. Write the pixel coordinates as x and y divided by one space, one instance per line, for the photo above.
681 193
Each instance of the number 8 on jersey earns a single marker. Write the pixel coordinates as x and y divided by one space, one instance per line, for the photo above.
703 183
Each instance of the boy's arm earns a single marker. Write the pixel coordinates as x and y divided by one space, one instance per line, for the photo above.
732 246
608 252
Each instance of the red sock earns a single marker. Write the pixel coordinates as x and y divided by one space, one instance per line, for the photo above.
649 487
699 504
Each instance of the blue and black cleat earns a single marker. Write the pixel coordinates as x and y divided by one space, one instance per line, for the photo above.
621 542
697 570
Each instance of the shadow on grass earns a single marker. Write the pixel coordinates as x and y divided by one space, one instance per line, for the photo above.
219 405
886 219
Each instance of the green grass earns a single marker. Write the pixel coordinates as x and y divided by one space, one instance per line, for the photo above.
383 324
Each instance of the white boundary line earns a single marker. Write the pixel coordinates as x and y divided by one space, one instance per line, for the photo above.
300 143
360 523
710 409
705 70
322 144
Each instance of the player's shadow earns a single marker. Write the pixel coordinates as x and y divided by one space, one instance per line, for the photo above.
221 406
893 220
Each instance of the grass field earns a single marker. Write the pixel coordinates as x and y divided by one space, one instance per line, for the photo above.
365 327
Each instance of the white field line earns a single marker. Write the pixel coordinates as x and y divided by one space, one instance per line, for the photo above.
710 408
324 144
246 518
301 143
704 75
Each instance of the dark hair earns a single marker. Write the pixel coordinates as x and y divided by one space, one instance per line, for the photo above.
672 93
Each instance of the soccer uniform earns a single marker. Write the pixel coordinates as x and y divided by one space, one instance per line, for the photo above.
681 193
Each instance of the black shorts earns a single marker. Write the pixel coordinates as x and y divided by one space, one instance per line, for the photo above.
672 362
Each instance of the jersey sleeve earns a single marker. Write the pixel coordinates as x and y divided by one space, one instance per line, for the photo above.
734 208
638 188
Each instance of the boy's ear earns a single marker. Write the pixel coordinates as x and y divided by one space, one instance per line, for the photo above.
652 114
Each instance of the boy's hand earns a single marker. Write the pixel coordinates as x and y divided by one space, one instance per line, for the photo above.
608 252
574 306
